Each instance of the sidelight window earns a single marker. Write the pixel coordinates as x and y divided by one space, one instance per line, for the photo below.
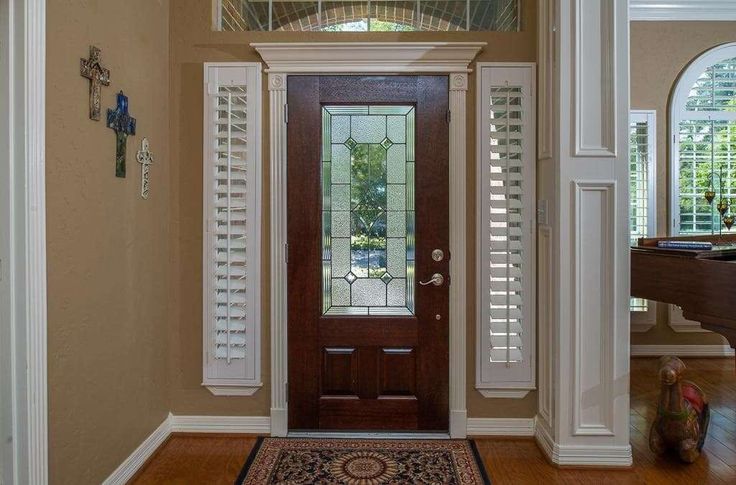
231 245
505 249
368 217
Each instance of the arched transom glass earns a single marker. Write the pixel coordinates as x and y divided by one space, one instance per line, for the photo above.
368 15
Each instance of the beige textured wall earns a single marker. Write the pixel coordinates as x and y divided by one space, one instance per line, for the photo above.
193 43
108 259
659 52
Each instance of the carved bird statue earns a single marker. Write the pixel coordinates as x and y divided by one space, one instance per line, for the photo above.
682 413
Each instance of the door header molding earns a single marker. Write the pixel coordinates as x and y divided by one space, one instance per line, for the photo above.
368 57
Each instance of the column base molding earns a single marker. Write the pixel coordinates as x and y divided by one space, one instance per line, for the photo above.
582 455
279 420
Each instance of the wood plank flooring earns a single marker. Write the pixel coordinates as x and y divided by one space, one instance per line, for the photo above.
201 459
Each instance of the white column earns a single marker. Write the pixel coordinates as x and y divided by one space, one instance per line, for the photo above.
279 376
583 234
458 270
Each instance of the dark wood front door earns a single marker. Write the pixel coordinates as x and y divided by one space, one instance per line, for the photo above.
368 209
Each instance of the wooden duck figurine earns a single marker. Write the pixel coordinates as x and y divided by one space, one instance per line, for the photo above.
682 414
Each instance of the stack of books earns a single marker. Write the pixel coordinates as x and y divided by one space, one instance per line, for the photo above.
693 245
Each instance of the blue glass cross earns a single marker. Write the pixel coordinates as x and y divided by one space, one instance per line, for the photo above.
123 124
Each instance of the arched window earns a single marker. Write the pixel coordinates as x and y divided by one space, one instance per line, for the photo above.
703 131
367 15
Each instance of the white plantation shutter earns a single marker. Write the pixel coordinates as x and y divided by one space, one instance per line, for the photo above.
231 263
506 255
642 159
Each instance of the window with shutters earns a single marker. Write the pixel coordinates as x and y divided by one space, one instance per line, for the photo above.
506 225
642 190
703 128
231 209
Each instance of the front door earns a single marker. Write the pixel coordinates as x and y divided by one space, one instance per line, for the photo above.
368 251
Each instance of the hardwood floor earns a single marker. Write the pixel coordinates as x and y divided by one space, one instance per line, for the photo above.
198 459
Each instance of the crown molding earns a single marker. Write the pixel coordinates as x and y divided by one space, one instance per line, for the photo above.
368 57
683 10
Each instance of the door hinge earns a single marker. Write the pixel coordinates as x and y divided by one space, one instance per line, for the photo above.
449 116
286 385
286 113
286 253
449 280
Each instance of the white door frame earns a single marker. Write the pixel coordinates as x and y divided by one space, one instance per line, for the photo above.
23 379
452 58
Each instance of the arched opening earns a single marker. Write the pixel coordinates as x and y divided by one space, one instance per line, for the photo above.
703 127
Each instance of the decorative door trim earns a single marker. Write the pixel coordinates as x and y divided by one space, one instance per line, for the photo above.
23 28
285 59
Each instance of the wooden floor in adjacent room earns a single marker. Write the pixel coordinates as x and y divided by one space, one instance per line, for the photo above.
201 459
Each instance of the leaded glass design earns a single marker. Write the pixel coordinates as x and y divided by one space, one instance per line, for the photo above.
368 217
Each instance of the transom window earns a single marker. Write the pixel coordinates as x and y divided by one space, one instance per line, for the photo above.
703 116
367 15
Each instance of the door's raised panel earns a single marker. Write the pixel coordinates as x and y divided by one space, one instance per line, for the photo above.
339 371
397 372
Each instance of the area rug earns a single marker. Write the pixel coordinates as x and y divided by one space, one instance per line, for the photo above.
297 461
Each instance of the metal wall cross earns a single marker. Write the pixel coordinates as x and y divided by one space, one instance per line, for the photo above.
123 124
145 158
98 76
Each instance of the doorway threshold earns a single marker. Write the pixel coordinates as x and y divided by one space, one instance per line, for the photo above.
383 435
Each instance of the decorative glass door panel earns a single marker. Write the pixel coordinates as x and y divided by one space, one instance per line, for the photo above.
368 235
368 219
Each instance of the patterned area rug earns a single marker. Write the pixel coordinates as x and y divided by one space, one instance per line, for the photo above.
363 462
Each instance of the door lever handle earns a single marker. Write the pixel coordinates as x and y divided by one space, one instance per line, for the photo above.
437 280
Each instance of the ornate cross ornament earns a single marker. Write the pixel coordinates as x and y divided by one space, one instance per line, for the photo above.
98 76
123 124
145 158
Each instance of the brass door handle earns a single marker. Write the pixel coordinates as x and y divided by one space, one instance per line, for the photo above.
437 280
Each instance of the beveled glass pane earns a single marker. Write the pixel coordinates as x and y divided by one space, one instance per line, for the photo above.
340 256
369 292
340 127
396 197
340 197
368 129
340 292
340 164
396 292
396 164
396 224
396 127
368 235
396 256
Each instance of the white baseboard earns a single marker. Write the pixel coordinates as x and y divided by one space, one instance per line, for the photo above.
593 456
141 454
185 424
221 424
501 426
682 350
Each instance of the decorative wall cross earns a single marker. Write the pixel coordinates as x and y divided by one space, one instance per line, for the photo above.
98 76
123 124
145 158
